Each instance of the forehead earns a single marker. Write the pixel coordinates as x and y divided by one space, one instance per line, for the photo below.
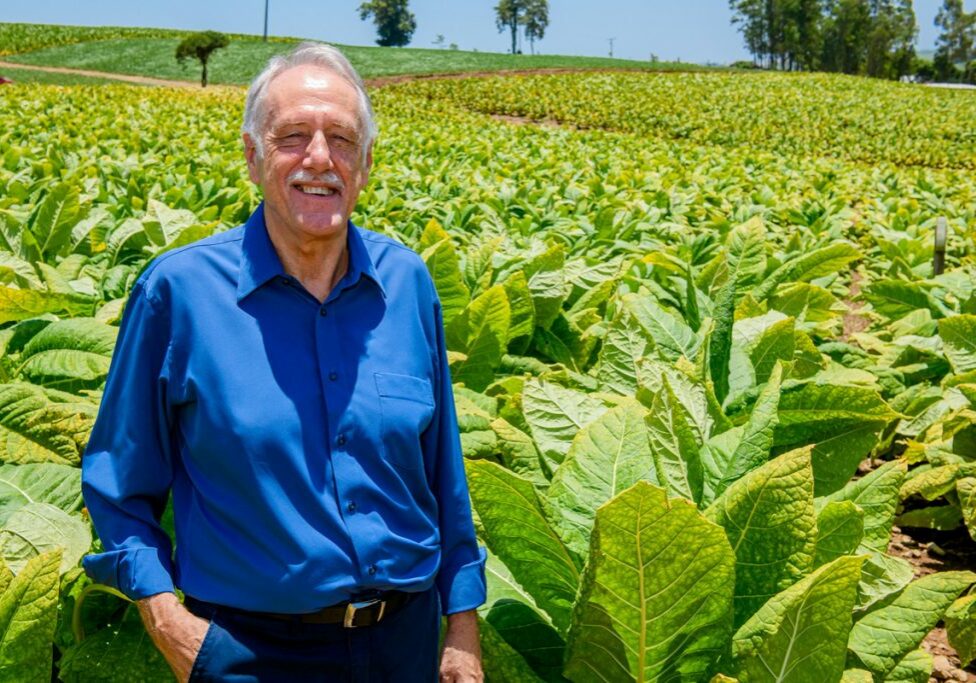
308 89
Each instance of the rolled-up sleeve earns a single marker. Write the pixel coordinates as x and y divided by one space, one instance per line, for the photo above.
461 579
127 467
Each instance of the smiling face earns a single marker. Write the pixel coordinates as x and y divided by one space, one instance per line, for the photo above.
313 167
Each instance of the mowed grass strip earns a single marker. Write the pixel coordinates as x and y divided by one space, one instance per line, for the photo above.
242 59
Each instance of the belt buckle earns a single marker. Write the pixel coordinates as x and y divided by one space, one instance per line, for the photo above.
349 620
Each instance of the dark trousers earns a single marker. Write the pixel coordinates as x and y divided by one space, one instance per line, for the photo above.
243 648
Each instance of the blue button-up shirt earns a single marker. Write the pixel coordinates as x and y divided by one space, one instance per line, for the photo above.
311 448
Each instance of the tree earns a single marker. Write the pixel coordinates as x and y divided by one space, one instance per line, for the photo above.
200 46
846 29
891 40
535 20
395 23
508 15
955 43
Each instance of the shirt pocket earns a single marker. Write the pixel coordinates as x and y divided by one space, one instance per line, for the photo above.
407 407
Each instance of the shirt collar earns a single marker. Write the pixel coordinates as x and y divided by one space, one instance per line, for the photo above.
260 262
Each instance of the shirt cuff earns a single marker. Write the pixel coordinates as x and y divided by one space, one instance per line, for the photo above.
462 588
138 572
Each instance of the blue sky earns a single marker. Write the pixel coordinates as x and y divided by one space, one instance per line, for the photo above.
692 30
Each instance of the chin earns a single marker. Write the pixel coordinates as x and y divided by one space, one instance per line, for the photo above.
322 226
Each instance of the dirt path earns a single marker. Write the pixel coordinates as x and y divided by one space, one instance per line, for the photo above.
853 321
376 82
141 80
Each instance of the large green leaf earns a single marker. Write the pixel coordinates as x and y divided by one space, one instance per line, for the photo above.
484 324
609 455
777 343
941 517
808 266
518 451
671 336
36 528
548 286
882 575
500 660
691 393
805 302
513 614
757 438
20 304
442 262
881 638
769 519
915 667
57 215
28 616
876 494
118 653
828 260
896 298
38 425
800 634
720 343
556 414
657 593
18 271
675 445
623 346
966 490
840 528
59 485
746 253
163 225
960 622
69 354
522 308
844 423
958 335
517 532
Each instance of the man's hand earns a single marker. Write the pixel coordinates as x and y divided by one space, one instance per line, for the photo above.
461 659
176 631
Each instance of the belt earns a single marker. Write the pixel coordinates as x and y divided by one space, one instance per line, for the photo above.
352 614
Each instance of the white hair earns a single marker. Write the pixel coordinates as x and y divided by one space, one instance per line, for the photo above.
317 54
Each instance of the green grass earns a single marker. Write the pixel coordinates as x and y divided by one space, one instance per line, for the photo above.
17 38
243 58
21 75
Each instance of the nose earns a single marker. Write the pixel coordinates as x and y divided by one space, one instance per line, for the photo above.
317 156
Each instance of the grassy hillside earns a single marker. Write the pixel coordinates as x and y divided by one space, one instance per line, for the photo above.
151 54
16 38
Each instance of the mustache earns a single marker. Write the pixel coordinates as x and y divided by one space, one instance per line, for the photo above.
328 178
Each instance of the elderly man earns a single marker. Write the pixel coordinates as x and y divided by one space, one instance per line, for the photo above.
287 381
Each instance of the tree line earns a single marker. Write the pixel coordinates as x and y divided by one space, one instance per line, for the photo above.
395 23
866 37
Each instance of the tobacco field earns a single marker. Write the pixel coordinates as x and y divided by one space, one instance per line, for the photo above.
702 363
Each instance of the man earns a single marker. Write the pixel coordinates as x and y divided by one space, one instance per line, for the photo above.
287 380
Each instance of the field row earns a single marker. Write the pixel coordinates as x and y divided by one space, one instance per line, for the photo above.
661 396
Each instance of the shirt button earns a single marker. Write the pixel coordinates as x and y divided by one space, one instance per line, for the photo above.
371 569
333 376
351 506
323 312
341 440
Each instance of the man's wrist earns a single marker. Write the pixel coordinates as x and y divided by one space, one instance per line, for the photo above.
159 611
